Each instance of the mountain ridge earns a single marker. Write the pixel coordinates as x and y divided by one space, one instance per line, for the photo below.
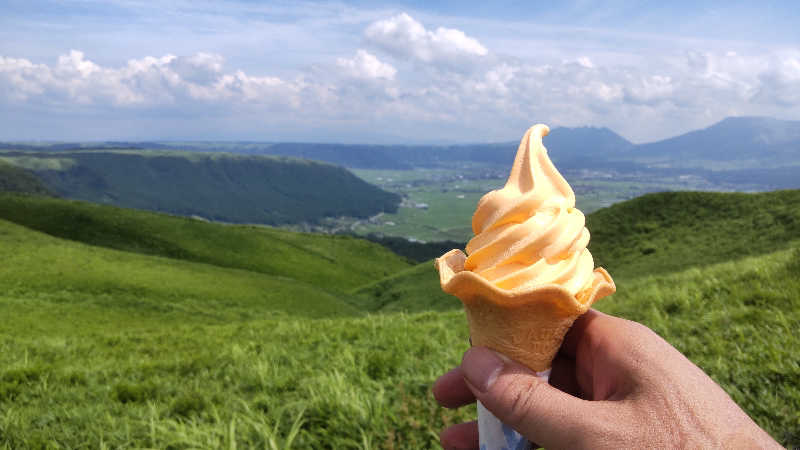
217 186
730 138
738 141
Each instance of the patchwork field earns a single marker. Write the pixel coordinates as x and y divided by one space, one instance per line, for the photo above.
438 203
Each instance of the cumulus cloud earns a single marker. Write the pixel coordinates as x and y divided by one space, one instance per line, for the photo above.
779 82
149 81
20 78
201 68
406 38
365 65
496 80
649 88
654 96
635 100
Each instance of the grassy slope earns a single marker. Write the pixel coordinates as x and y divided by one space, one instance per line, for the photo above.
412 290
118 349
350 382
672 231
335 262
56 274
224 187
655 233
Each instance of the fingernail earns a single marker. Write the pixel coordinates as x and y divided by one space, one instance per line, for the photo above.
481 367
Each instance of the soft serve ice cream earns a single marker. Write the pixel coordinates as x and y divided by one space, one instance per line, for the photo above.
527 274
529 233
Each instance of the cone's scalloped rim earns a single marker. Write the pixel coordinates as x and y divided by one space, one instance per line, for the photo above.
470 287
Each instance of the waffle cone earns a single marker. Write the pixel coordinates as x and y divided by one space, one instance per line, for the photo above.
526 326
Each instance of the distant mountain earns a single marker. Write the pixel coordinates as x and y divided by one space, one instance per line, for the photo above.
570 145
353 156
221 187
736 141
566 146
575 144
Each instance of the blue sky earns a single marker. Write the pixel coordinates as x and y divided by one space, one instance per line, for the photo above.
389 72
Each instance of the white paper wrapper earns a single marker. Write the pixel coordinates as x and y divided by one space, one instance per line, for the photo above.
495 435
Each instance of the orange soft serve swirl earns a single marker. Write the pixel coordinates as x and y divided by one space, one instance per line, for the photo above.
529 233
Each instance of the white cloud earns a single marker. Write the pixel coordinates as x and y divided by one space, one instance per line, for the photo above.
201 68
649 88
779 83
585 61
497 79
20 78
366 66
448 86
149 81
74 62
406 38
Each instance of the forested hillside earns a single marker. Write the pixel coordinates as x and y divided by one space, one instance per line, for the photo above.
17 179
221 187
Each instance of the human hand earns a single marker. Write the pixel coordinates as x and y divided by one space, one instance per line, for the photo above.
614 384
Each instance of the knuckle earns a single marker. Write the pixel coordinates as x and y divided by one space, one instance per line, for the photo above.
644 340
523 398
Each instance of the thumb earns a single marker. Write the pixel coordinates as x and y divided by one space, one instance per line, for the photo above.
513 393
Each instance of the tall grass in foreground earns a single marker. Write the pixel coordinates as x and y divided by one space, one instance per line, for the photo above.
74 376
328 383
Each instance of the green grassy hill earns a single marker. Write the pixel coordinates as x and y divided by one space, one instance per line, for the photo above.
674 231
653 234
412 290
47 273
170 339
335 262
217 186
178 380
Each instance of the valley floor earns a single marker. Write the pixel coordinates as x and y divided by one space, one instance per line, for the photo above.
438 203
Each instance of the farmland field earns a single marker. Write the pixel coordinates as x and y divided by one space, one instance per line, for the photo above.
438 203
